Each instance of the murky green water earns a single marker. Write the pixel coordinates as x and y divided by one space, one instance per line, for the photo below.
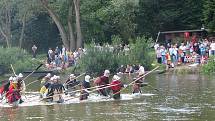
180 97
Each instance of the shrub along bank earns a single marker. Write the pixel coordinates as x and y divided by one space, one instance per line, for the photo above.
96 60
19 58
209 68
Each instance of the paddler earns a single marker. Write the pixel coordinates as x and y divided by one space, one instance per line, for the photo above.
55 90
116 86
13 95
103 81
45 87
5 87
84 88
71 84
139 80
21 85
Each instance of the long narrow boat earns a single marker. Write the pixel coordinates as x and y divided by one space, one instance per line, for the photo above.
32 99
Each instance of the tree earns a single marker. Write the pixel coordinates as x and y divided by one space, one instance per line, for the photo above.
15 13
209 14
163 15
26 10
61 12
78 23
5 20
104 18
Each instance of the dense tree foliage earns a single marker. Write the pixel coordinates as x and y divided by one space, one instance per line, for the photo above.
163 15
48 23
209 14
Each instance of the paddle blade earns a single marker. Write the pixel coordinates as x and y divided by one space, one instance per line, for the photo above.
38 67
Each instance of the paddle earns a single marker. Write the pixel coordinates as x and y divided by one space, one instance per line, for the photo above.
136 80
31 73
100 87
66 83
13 70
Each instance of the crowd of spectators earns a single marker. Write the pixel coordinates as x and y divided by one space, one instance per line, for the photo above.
187 52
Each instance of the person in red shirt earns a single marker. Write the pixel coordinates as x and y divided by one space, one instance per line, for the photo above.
116 86
5 87
13 94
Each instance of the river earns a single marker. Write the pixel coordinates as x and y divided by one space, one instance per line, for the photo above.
179 97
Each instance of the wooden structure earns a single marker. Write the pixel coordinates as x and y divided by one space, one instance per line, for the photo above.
184 35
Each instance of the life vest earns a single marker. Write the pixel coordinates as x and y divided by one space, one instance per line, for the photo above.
43 90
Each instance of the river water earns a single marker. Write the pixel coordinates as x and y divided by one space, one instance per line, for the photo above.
178 98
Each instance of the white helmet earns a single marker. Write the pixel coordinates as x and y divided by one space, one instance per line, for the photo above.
87 78
57 77
106 73
72 75
48 75
115 77
52 78
11 78
141 70
20 75
14 80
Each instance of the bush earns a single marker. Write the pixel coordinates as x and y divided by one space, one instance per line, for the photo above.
19 58
95 61
209 68
141 52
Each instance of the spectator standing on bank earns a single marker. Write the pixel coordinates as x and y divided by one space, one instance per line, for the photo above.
34 49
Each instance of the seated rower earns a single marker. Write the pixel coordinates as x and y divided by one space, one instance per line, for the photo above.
13 95
84 88
116 86
45 87
71 84
5 87
55 90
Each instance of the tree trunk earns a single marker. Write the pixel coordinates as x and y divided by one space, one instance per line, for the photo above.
23 30
8 26
5 36
78 25
70 29
57 22
5 23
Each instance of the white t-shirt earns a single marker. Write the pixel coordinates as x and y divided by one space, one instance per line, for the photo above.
156 46
212 46
183 48
50 52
